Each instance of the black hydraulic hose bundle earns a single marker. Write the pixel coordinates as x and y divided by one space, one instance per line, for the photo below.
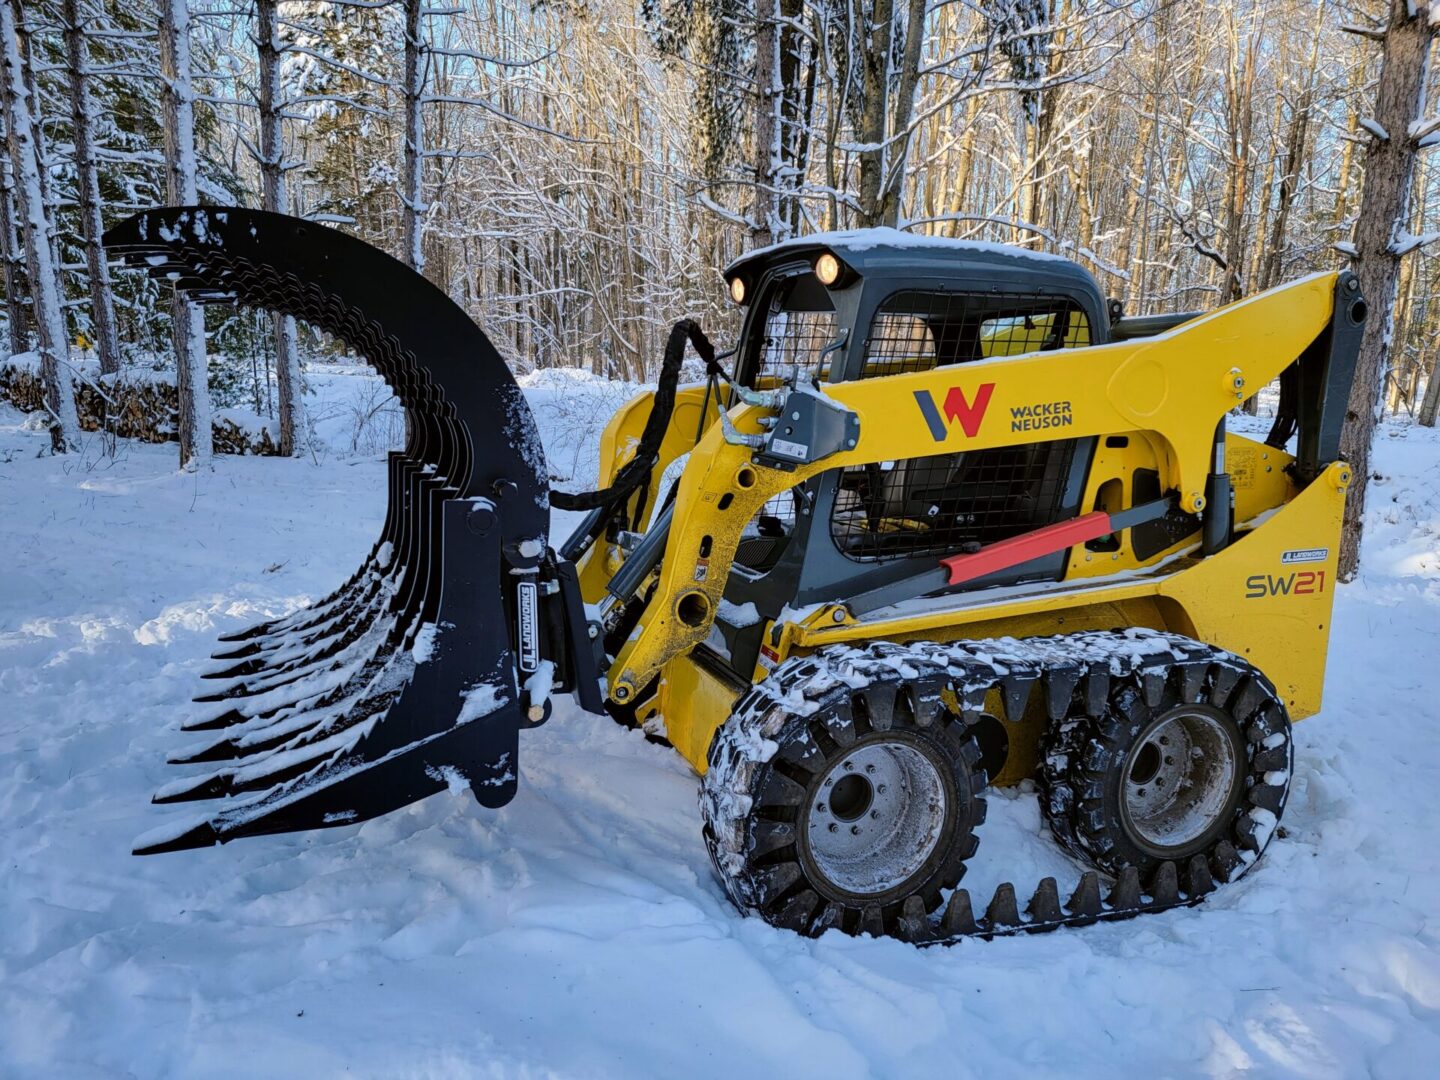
636 472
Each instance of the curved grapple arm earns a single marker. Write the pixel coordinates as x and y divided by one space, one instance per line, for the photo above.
405 679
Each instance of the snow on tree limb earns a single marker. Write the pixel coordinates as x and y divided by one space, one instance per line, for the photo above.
1406 242
1369 32
1425 131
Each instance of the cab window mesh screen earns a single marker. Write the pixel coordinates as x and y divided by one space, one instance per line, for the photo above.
765 536
918 331
799 323
935 506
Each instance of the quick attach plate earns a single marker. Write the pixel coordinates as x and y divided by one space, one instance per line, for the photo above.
808 427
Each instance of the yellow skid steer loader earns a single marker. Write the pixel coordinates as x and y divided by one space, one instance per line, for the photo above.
947 519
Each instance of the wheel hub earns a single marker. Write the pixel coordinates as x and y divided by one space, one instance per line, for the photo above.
1179 780
876 816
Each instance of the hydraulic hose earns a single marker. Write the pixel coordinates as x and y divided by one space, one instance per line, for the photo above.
636 472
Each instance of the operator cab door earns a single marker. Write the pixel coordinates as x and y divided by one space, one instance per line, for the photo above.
853 530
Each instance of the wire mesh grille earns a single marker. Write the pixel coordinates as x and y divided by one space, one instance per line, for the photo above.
793 343
918 331
766 534
937 505
799 323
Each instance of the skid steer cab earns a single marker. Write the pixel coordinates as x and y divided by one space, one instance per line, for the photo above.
943 519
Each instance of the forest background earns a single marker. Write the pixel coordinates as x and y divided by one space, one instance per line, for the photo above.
575 174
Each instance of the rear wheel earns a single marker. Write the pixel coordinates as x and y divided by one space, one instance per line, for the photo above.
1176 762
840 788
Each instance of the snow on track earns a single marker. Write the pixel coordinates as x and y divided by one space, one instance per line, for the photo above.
578 931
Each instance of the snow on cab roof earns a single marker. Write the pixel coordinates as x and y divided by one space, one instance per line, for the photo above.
859 246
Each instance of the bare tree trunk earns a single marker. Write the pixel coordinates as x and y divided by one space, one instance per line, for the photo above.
1296 141
909 77
1285 191
34 215
414 139
797 110
1240 125
874 62
12 259
1430 404
87 187
1384 212
187 320
23 40
272 176
769 95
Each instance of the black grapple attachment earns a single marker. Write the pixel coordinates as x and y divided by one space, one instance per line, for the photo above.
418 673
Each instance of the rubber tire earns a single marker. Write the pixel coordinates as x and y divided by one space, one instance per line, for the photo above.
1083 761
770 755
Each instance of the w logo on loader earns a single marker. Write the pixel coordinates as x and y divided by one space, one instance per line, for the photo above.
969 413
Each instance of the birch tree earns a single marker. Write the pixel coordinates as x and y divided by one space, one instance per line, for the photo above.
33 213
12 255
413 95
188 320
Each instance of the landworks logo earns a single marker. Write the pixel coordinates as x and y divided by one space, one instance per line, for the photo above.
971 412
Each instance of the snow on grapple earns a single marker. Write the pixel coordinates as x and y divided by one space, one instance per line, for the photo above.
950 521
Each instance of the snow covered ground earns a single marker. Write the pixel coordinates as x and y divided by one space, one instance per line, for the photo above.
577 931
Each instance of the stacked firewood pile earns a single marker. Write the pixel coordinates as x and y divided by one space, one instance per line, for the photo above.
131 405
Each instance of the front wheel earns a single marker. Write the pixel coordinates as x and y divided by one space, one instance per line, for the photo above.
841 788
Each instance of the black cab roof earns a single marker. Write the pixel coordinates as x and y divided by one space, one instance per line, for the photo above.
891 253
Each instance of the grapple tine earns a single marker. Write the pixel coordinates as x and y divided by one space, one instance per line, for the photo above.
199 835
298 662
214 786
250 648
344 710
